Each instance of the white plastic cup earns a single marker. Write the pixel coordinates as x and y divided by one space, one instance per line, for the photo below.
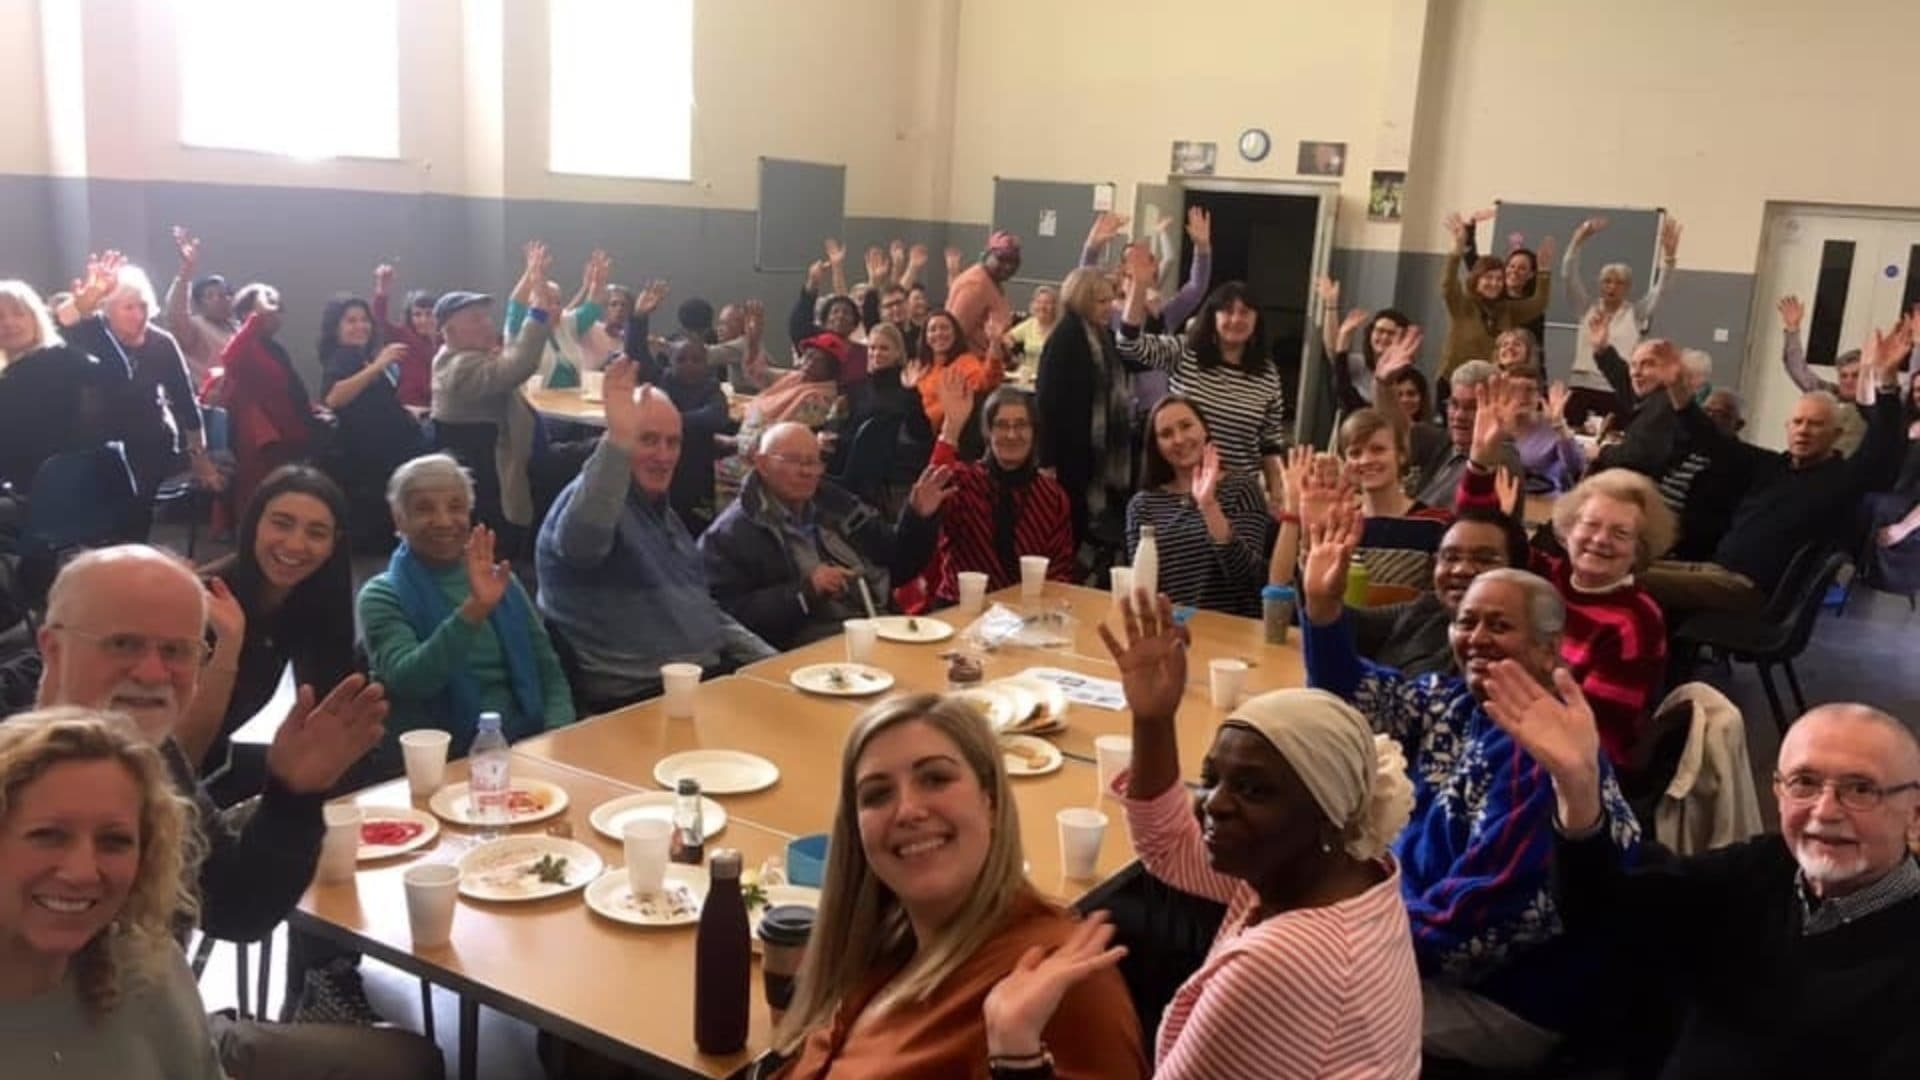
1081 832
1122 585
1112 755
593 384
340 848
1226 678
861 635
1033 576
432 889
677 683
646 840
425 753
973 590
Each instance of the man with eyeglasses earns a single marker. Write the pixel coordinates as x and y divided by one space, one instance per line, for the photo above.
795 556
1412 637
1792 956
125 631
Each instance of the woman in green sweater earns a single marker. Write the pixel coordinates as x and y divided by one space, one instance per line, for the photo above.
449 632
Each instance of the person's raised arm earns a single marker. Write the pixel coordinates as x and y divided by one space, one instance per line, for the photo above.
1557 729
916 263
1525 310
586 529
1613 367
837 264
1793 353
1333 538
1669 258
1452 289
1570 271
800 324
381 303
1106 226
1877 459
200 727
89 292
1283 564
1159 351
1153 673
347 389
180 293
535 270
1187 300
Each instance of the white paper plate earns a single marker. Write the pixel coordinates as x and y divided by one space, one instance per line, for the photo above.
841 680
998 708
610 817
423 826
1051 699
533 800
778 895
720 772
912 629
1040 758
500 870
685 890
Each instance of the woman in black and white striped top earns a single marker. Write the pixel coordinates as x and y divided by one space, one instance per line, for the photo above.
1222 365
1210 522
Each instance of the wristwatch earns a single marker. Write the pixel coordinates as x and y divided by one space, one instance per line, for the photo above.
1032 1067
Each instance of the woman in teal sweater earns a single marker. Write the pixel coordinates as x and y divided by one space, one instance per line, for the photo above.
449 632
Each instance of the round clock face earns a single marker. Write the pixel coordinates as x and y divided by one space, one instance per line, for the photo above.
1254 144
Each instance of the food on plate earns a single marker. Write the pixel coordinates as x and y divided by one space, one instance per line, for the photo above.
836 678
389 832
1032 756
673 902
913 625
550 869
963 669
521 802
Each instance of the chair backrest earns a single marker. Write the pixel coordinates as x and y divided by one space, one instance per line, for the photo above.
214 419
472 445
870 456
1804 561
1807 600
80 499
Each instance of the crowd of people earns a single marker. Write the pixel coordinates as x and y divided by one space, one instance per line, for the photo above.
1430 856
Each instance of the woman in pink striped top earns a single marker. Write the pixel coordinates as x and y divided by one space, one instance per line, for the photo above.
1312 973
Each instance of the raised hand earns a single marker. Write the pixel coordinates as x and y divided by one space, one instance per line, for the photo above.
753 319
1556 731
487 581
1200 227
623 412
188 246
1493 421
225 615
917 256
1139 265
1019 1007
836 251
1886 351
817 275
103 276
1153 660
878 266
1456 227
1670 239
1402 353
1206 476
544 295
538 261
650 298
1557 397
1328 290
1326 489
1587 228
1791 312
1483 214
955 263
383 278
1545 253
930 492
1294 475
1323 572
1506 488
317 744
1355 319
897 253
1598 333
955 395
1106 226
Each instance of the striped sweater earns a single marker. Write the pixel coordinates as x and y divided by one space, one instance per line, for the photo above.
1246 414
1194 570
1614 644
1042 525
1317 992
1476 856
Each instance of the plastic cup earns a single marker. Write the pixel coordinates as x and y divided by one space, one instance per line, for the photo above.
807 860
677 682
1112 755
647 842
425 753
1081 831
1122 584
340 847
1033 576
1225 678
861 634
784 931
593 384
432 889
973 590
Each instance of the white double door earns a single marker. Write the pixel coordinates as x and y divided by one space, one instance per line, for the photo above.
1853 270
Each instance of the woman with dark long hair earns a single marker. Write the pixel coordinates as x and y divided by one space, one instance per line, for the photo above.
1210 521
284 596
360 382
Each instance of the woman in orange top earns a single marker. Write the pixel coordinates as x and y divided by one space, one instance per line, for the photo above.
941 347
926 908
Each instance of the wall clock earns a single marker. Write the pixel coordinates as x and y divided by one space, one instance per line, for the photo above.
1254 144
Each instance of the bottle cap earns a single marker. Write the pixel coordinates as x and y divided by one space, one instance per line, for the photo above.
724 864
1277 592
489 720
686 785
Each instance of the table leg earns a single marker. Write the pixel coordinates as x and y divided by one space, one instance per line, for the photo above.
426 1008
469 1039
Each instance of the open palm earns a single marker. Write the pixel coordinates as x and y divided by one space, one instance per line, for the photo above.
1557 731
1153 660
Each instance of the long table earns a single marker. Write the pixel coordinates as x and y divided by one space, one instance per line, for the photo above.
557 965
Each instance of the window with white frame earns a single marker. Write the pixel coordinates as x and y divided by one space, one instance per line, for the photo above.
621 88
298 77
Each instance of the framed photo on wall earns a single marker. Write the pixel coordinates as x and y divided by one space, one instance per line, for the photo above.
1322 158
1384 195
1194 158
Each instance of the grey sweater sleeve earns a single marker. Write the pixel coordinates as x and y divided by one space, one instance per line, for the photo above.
591 517
471 376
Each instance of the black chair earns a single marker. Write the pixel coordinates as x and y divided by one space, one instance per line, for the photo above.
1779 634
472 445
868 461
1167 933
181 488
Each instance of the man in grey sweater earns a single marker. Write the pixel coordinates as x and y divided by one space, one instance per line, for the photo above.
476 382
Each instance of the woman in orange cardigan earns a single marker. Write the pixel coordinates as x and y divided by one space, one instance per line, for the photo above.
270 418
941 347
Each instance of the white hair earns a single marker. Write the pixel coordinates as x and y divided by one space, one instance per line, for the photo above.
1472 373
429 471
1697 362
132 281
1546 612
1619 270
74 576
45 332
1824 397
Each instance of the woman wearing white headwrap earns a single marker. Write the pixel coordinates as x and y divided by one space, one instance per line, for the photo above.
1312 973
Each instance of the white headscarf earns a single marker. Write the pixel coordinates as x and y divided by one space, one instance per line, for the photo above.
1359 779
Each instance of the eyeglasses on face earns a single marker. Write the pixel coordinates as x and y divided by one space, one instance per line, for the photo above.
1853 792
181 654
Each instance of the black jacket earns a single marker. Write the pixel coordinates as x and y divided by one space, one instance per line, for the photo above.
1068 390
251 875
53 400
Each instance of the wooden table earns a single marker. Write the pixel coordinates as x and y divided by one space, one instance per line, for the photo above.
569 405
624 991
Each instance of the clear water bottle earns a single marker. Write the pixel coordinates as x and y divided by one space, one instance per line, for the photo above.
1146 563
689 824
490 780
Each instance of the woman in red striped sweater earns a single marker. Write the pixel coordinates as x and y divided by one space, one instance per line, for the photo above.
1612 525
1002 506
1312 973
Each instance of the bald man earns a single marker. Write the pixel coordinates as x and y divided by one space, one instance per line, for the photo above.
126 631
620 577
787 558
1791 956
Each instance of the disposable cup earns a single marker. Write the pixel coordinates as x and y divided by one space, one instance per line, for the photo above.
425 752
677 682
593 384
1112 755
1081 831
647 842
432 889
973 590
1122 584
1033 576
1226 677
340 846
861 634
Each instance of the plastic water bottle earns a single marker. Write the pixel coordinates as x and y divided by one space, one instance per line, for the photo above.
1146 563
490 779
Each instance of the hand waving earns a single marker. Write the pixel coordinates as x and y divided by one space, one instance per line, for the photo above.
651 297
487 581
1791 312
1200 227
1019 1007
318 743
1506 488
1105 227
1206 477
1328 290
930 492
188 246
1153 661
623 412
225 615
1402 353
1323 572
1558 732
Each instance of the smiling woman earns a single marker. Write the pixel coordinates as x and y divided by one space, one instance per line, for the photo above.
91 882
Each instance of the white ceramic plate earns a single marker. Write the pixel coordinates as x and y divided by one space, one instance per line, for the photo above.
1048 699
533 800
1028 756
677 903
778 895
912 629
418 828
991 703
611 817
841 680
503 869
720 772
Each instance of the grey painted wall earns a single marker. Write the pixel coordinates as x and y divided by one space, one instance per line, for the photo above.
314 242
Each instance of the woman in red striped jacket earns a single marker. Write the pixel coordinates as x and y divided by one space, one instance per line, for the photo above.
1002 507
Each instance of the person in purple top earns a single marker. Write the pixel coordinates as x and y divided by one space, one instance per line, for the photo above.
1552 459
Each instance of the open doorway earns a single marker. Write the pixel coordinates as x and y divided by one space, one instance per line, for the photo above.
1276 238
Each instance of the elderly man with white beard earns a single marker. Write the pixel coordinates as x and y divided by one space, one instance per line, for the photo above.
1791 959
126 632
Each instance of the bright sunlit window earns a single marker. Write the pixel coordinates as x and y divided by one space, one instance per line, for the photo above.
622 88
295 77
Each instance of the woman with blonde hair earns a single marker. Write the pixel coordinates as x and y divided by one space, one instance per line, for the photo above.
1312 972
926 908
94 841
53 397
1082 392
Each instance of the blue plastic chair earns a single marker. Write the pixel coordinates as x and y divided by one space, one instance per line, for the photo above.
80 500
